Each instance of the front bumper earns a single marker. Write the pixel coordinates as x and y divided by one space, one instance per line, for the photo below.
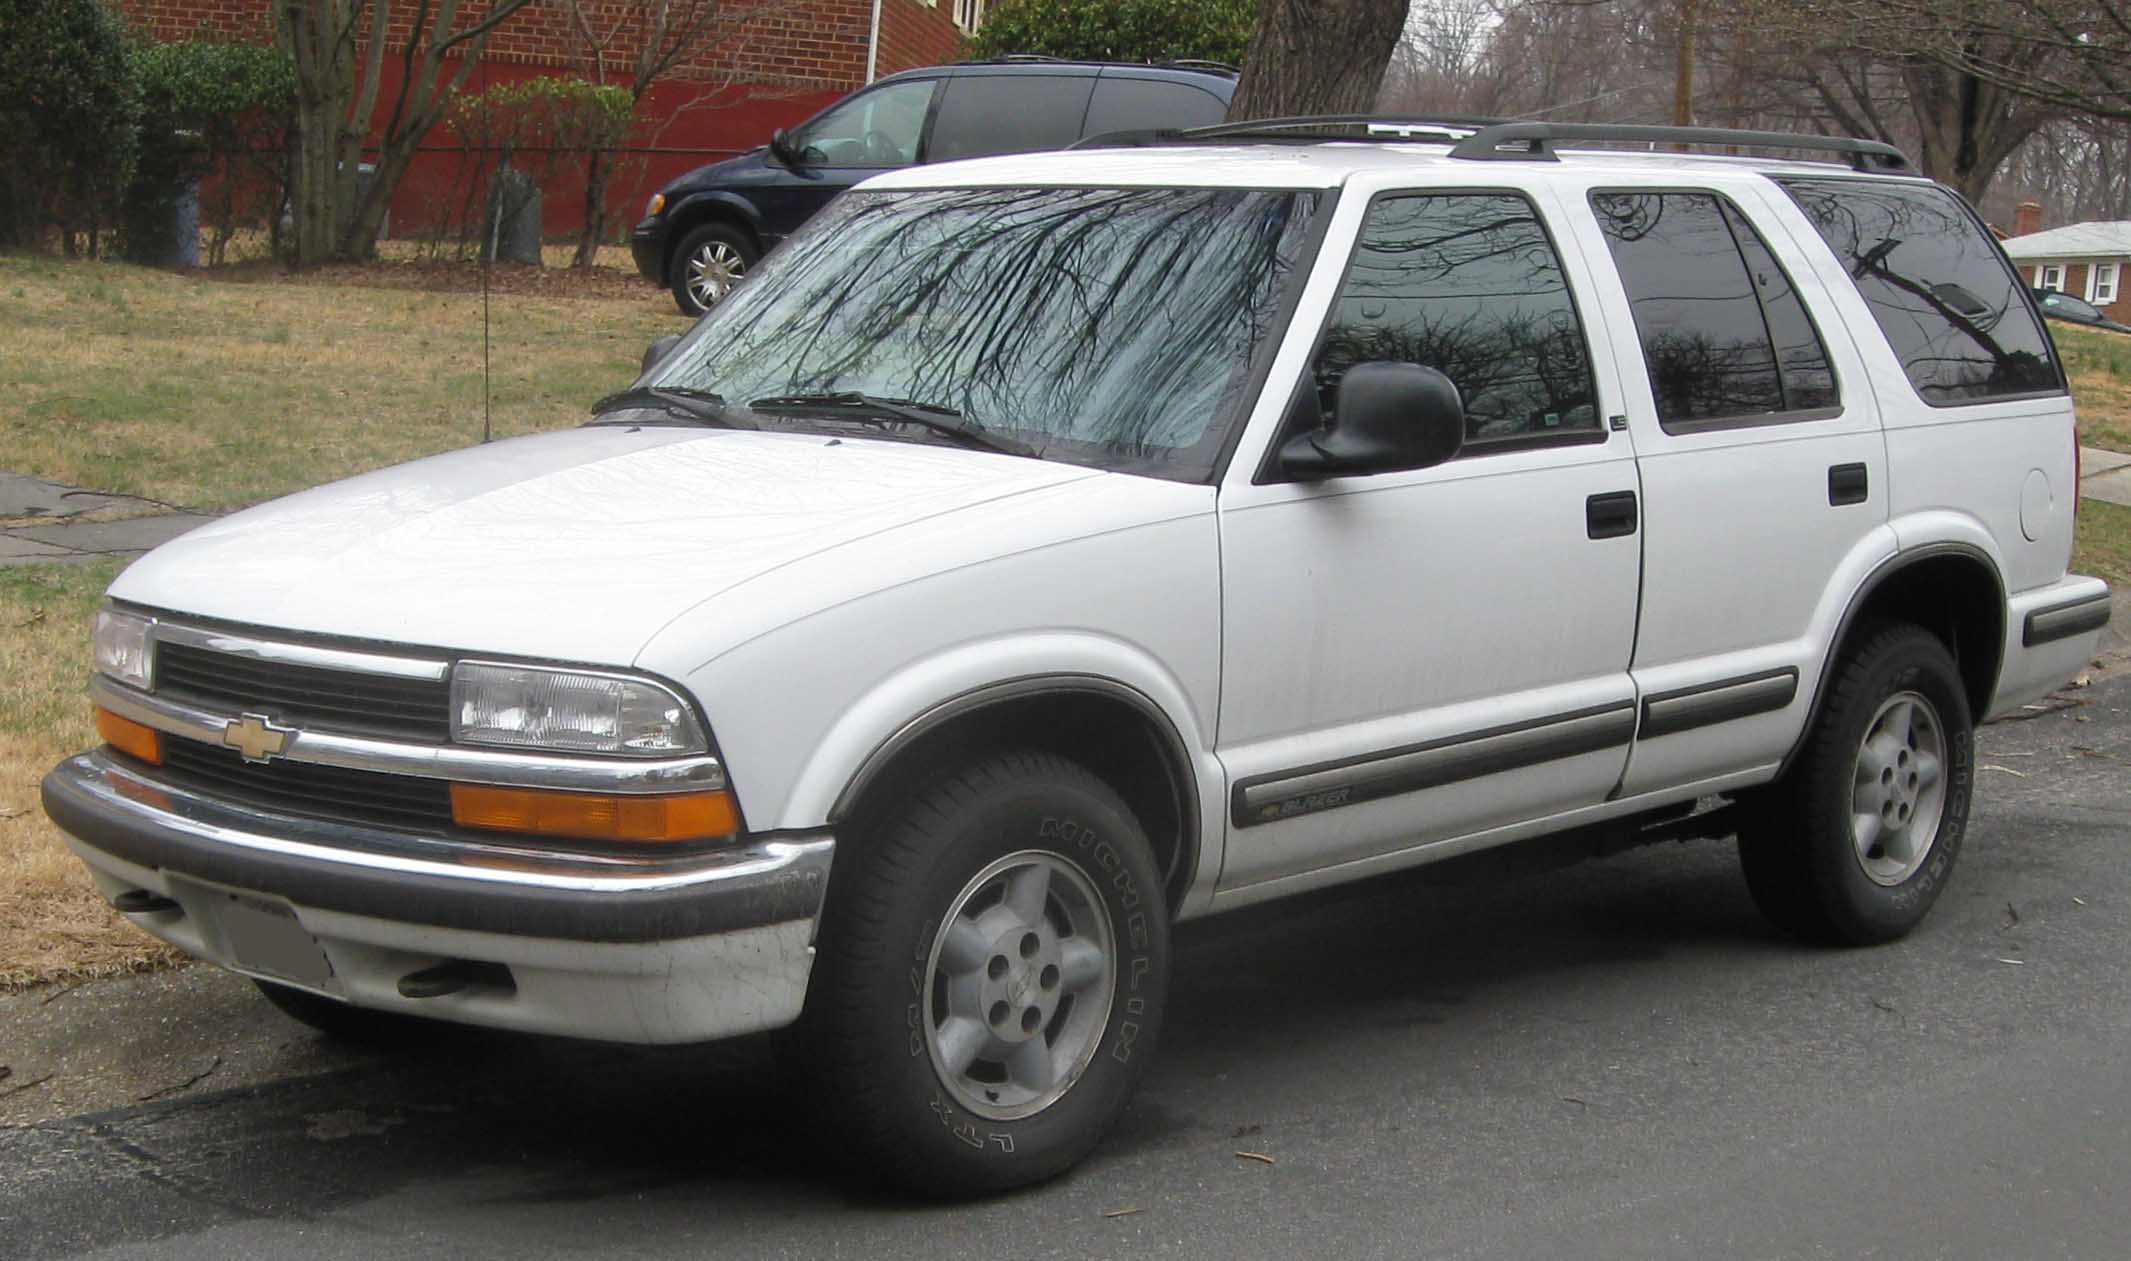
624 949
647 243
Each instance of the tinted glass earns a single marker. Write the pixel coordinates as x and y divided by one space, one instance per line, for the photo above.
1149 104
1104 326
1020 113
877 128
1467 284
1724 335
2060 304
1942 292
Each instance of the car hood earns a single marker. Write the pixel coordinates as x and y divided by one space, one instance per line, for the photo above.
574 546
747 168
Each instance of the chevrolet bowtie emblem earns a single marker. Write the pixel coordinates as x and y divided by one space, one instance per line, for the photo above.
256 737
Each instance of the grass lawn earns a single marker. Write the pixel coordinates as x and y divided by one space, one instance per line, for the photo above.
2099 365
217 393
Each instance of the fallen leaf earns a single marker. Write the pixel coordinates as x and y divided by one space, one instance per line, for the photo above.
2012 917
1260 1157
12 812
1123 1212
1578 1102
1245 1131
2082 681
2080 901
1884 1005
1992 766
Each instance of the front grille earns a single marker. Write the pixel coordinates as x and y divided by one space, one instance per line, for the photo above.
306 696
327 792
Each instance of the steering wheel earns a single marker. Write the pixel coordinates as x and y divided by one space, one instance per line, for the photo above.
881 147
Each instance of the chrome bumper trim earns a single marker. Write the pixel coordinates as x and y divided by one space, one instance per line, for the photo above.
427 669
453 762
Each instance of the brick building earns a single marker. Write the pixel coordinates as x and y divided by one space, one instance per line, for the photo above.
786 60
2086 260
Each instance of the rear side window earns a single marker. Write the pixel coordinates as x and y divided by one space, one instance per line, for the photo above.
1149 105
1468 284
1948 302
1018 113
1724 334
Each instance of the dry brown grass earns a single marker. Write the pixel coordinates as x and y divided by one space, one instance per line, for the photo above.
53 923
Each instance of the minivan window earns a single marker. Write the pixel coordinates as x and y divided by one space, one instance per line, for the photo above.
877 128
1724 335
1105 326
1950 305
1147 104
1468 284
983 114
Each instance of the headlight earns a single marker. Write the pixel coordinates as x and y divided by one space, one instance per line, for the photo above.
123 648
655 205
569 711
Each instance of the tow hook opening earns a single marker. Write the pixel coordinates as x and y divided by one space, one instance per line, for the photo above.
455 976
142 902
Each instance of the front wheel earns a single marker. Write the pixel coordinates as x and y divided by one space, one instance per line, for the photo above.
1861 837
994 972
709 262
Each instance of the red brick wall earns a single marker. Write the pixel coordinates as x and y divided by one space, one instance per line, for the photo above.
783 65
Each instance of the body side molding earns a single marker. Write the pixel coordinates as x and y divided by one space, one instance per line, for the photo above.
1706 704
2062 621
1303 790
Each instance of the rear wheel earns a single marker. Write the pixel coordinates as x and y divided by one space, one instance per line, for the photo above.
994 972
1862 835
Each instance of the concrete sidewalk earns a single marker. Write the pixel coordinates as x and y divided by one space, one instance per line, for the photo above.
51 521
2104 475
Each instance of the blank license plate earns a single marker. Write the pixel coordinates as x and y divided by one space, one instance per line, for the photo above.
265 937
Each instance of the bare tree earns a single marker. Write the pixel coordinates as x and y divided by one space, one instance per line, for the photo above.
337 99
635 44
1317 57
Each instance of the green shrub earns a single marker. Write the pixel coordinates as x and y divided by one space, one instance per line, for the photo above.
1119 30
69 110
207 109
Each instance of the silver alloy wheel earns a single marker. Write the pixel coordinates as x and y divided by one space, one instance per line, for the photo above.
713 270
1899 789
1022 971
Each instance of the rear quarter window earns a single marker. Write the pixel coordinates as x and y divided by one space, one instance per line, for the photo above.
1951 307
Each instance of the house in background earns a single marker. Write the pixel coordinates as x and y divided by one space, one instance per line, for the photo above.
785 65
2086 260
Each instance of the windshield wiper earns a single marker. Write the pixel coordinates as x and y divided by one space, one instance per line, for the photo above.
941 420
698 405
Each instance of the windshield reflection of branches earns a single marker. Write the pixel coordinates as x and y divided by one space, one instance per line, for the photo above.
1115 317
1467 285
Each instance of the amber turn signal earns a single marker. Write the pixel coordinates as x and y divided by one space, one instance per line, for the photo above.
130 737
692 816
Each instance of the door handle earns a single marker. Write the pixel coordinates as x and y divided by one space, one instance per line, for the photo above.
1848 484
1610 516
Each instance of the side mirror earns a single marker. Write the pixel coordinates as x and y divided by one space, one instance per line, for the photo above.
659 349
781 148
1386 417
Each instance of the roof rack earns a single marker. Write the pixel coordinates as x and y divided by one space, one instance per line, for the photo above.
1201 63
1307 129
1534 142
1198 64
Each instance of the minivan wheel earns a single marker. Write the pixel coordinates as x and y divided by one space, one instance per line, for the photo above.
709 262
992 977
1860 838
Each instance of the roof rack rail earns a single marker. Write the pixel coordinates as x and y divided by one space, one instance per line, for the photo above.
1534 142
1199 63
1304 129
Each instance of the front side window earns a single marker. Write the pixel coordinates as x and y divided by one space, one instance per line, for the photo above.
1938 285
1725 336
878 128
1468 284
1104 326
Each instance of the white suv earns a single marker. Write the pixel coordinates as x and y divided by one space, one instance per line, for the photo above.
1071 544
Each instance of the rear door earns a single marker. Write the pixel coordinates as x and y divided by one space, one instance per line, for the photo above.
1764 471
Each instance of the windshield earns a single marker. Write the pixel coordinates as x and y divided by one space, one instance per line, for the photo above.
1103 326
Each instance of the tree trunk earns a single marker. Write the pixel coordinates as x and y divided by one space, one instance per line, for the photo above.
599 171
1317 57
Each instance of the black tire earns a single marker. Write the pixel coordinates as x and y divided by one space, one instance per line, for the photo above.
719 239
344 1022
1802 859
910 1123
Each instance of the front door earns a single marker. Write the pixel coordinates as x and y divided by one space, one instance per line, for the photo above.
1416 656
877 130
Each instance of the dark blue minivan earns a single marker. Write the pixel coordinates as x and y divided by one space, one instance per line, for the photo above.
705 229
